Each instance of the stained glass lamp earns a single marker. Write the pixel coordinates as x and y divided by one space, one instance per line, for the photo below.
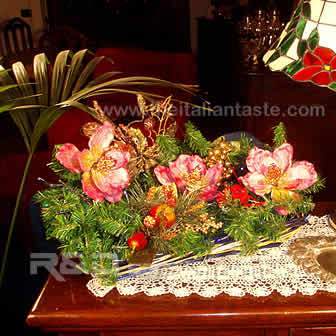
306 52
306 49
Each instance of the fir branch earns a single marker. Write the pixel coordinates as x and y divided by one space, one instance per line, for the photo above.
63 173
117 219
95 231
242 151
196 141
169 148
249 225
190 242
297 208
318 186
136 194
280 136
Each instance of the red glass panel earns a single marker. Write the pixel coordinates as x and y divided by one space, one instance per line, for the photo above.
333 76
322 78
306 74
325 54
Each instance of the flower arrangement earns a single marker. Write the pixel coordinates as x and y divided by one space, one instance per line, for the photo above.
139 194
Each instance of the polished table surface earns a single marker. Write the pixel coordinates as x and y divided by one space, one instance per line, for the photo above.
70 309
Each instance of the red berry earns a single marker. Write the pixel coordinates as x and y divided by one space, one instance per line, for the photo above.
138 241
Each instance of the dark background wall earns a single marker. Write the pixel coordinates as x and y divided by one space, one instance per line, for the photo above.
152 24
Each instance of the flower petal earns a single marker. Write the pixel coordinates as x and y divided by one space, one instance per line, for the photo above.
256 183
306 74
209 193
180 166
68 156
283 156
325 54
300 176
163 175
106 182
310 59
90 188
214 174
282 211
196 162
322 78
284 195
103 137
259 161
120 158
183 166
87 158
115 195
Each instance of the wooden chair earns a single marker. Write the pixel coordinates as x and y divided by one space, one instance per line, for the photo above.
16 41
17 36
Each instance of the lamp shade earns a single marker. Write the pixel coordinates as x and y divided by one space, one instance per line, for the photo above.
306 49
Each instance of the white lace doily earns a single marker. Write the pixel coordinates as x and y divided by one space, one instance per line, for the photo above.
258 275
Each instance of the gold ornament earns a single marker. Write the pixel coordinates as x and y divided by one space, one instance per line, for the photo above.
158 114
145 156
219 153
90 128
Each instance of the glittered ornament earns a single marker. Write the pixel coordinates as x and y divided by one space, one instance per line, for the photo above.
164 215
149 222
219 153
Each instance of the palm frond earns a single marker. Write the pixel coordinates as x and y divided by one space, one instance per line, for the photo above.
42 78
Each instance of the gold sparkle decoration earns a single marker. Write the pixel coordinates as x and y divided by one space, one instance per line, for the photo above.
90 128
144 157
219 153
157 116
206 224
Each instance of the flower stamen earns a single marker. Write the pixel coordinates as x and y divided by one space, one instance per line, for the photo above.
273 175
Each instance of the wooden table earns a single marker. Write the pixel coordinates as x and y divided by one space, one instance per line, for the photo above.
68 308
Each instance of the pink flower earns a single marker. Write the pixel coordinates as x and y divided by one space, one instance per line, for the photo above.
189 172
277 174
104 168
282 211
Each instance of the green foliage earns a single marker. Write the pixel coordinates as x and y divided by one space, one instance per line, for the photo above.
136 193
249 225
95 231
190 241
299 207
63 173
318 186
280 136
196 141
241 152
169 149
